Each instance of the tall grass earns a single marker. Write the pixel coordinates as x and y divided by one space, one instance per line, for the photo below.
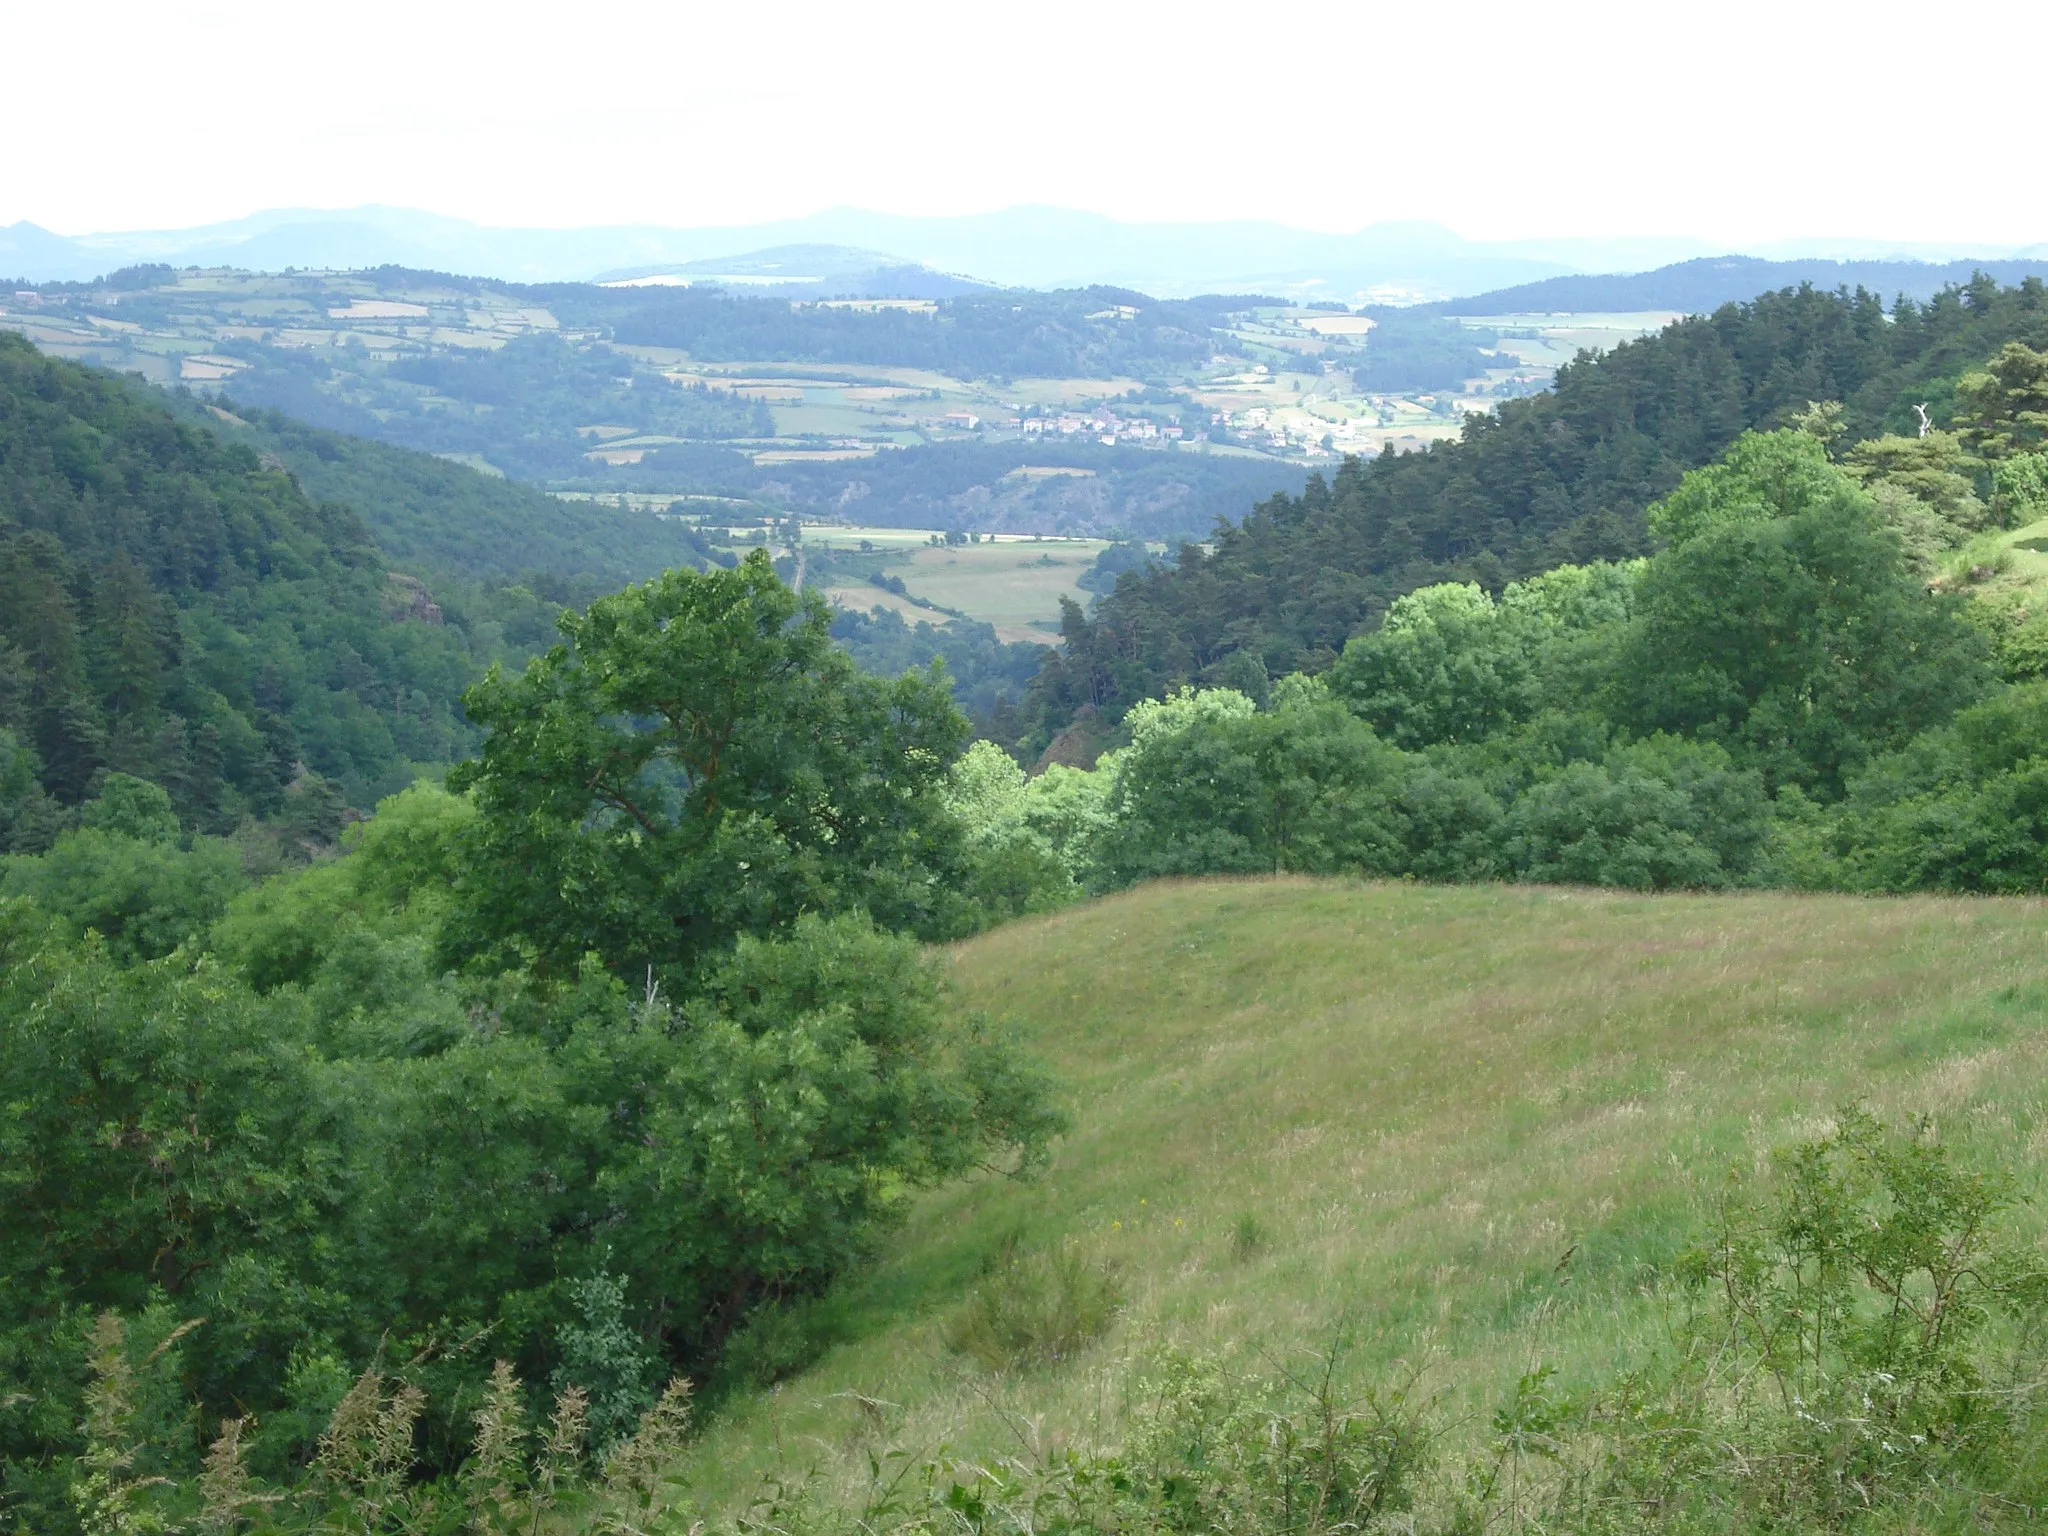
1471 1125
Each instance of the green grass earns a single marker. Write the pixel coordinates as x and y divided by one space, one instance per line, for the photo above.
1460 1122
1015 586
2010 564
1008 585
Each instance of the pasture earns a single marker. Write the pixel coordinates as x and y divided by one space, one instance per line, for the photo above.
1012 583
1463 1128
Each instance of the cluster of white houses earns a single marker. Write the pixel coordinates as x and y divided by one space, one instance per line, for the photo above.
1105 426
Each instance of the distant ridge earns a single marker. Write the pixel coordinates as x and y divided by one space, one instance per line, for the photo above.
892 255
1706 283
1027 247
805 271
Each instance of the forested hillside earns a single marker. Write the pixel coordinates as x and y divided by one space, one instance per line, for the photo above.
426 513
174 610
493 1083
1004 334
521 404
1560 477
614 1059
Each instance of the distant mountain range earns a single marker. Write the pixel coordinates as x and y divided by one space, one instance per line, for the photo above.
802 271
852 253
1706 283
855 253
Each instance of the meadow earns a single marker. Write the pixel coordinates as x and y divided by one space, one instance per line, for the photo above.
1461 1131
1550 341
1013 584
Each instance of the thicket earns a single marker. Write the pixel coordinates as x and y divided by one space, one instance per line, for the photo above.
1559 478
579 1067
1852 1344
1796 690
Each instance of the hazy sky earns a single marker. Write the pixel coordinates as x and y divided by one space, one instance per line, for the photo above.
1739 122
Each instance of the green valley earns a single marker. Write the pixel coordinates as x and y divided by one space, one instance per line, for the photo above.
1499 992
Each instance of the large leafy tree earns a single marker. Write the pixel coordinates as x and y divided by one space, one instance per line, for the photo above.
1785 623
696 761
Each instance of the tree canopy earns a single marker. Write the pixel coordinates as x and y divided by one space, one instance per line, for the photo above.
698 760
1564 477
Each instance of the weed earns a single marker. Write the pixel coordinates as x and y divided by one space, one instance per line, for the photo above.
1247 1237
1035 1308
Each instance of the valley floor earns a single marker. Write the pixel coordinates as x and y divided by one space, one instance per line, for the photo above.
1456 1125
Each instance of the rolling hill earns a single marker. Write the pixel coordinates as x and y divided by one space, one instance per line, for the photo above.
442 518
1474 1122
1705 283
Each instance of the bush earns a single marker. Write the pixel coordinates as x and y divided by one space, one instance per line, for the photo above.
1855 1348
1657 815
1036 1308
126 873
320 1183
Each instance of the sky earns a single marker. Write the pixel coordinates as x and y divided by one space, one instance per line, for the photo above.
1736 122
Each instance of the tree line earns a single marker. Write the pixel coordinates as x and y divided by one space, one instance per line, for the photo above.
1815 682
1558 478
1071 333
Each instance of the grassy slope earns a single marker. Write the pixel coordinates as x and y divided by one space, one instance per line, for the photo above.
1426 1096
2017 559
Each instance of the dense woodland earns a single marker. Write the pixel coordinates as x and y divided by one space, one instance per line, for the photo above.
174 609
1413 349
988 675
1705 283
1560 477
610 1036
1074 333
521 405
443 519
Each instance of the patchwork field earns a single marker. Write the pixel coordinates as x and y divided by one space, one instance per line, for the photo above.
1459 1126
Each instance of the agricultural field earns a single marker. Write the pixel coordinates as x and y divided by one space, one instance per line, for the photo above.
491 377
1281 383
1459 1130
1012 583
1300 396
876 407
1550 341
170 334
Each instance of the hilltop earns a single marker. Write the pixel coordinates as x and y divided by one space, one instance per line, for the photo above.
1475 1121
1705 283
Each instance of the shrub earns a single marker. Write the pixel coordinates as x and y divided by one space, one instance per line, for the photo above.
1035 1309
1247 1236
1856 1349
